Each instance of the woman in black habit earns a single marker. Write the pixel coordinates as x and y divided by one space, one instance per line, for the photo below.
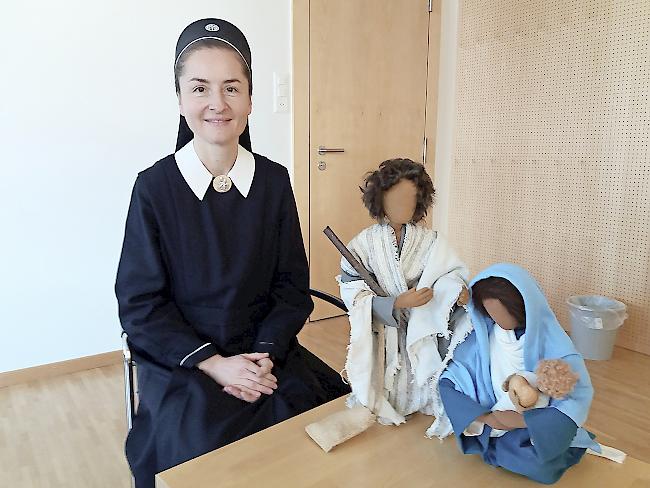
213 283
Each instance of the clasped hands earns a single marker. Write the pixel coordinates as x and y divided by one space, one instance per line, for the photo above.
244 376
415 298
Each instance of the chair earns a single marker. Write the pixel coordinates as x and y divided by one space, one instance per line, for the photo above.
130 380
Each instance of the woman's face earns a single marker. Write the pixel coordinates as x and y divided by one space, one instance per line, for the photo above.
214 96
400 202
500 314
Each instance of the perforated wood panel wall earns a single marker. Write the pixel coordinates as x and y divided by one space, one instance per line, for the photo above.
552 165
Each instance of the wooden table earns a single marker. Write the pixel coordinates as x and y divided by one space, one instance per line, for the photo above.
383 456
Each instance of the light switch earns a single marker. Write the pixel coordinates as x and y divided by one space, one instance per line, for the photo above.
280 93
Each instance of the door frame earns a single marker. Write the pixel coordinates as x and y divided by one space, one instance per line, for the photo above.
300 102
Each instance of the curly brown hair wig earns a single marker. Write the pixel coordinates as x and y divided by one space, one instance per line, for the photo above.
391 172
502 290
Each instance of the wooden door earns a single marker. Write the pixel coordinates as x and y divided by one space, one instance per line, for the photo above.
367 96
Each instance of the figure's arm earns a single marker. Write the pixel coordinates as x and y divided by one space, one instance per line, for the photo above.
579 400
382 310
455 270
382 307
463 298
147 312
289 295
462 412
550 430
509 420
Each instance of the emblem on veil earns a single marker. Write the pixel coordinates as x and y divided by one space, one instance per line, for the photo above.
222 183
212 27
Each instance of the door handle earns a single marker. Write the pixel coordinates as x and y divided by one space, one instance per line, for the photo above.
324 150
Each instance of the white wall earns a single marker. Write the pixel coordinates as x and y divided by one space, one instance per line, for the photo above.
88 101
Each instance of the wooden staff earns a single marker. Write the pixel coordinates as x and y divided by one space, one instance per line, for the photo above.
358 267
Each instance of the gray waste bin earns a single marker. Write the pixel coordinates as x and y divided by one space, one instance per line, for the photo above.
594 323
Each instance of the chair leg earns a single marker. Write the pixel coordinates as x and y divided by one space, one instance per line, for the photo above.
128 392
129 389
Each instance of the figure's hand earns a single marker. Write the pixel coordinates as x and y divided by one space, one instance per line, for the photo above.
492 421
521 393
240 375
511 419
516 401
414 298
463 298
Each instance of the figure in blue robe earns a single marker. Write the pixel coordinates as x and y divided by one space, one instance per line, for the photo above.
550 439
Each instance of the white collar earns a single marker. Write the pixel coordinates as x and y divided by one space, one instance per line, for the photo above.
199 178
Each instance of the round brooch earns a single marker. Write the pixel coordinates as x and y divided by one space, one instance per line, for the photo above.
222 183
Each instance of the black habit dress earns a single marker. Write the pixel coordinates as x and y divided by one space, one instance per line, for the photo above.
226 274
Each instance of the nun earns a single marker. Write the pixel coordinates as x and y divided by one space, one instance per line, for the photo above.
213 283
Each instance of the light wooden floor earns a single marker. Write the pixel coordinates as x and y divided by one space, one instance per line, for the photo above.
69 431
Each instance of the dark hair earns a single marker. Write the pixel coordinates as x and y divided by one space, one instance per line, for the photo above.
390 173
209 44
502 290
